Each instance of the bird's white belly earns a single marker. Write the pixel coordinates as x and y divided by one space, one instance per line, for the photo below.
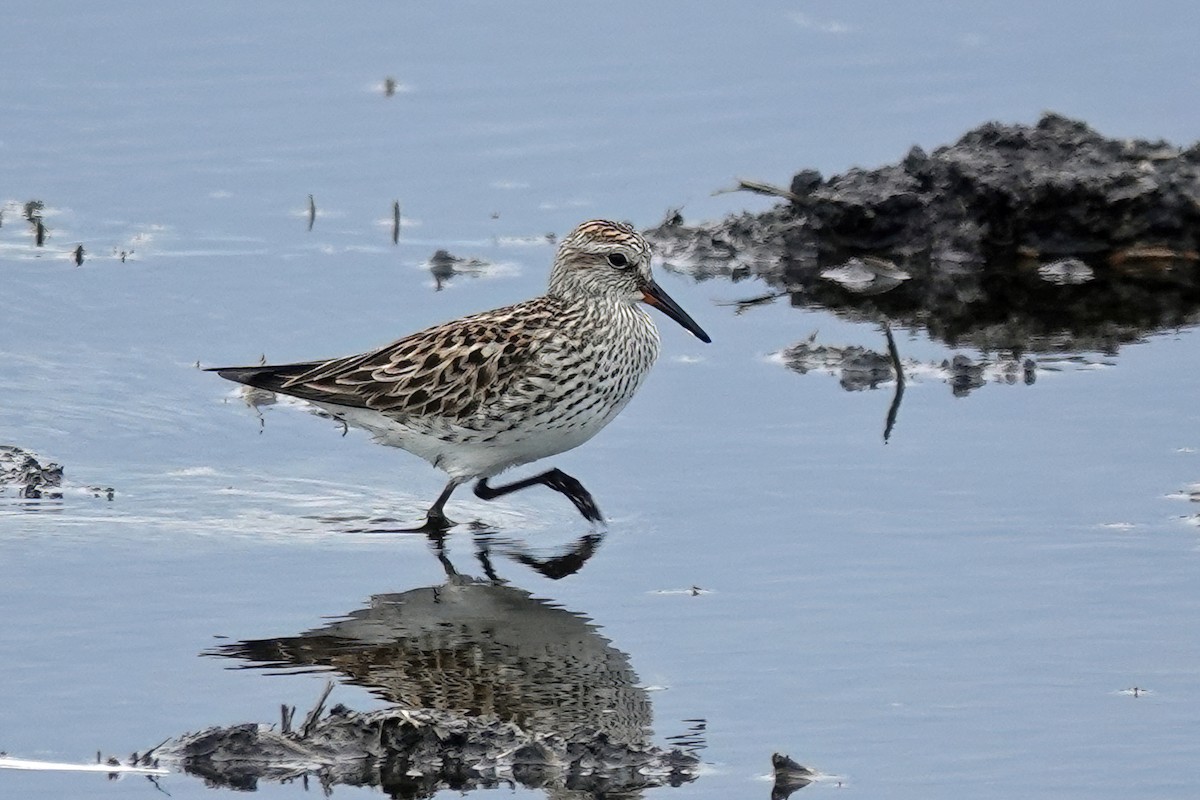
467 453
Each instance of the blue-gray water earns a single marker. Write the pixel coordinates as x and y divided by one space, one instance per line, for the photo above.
955 613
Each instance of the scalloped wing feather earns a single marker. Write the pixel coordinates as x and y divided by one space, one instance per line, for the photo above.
449 371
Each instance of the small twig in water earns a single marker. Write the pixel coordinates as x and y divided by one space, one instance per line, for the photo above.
314 715
154 779
149 753
760 187
894 408
744 305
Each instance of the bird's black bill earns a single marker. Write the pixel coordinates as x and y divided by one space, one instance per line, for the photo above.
654 295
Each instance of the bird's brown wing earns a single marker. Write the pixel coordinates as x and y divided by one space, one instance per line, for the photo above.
448 371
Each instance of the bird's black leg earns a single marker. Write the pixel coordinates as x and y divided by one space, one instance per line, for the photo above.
437 542
555 479
436 522
435 517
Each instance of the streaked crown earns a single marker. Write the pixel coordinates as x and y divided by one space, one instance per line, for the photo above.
601 258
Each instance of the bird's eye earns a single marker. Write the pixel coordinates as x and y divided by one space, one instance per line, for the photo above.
618 260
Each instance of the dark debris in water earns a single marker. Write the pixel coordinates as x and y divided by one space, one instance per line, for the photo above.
32 211
1048 237
444 266
21 470
789 776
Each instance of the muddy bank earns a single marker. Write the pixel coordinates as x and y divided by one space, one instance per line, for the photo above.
1043 237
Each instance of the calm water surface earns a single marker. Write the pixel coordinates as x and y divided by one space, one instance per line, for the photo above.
955 613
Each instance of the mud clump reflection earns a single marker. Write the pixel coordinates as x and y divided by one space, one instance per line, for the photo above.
858 368
1022 238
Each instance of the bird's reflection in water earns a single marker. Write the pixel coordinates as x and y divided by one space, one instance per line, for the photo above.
480 648
477 646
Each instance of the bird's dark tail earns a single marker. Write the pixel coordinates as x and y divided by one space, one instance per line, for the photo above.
271 378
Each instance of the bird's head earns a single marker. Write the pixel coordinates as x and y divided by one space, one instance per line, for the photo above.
610 260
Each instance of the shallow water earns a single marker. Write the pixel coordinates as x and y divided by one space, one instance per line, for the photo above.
956 612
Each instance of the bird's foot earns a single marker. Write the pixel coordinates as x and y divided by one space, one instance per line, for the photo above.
436 521
433 525
554 479
561 482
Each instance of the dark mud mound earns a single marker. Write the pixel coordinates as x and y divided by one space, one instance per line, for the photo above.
1050 237
413 753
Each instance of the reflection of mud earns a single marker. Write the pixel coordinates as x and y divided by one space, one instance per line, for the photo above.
859 368
488 685
1044 238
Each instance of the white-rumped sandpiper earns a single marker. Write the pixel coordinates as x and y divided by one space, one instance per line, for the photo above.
490 391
